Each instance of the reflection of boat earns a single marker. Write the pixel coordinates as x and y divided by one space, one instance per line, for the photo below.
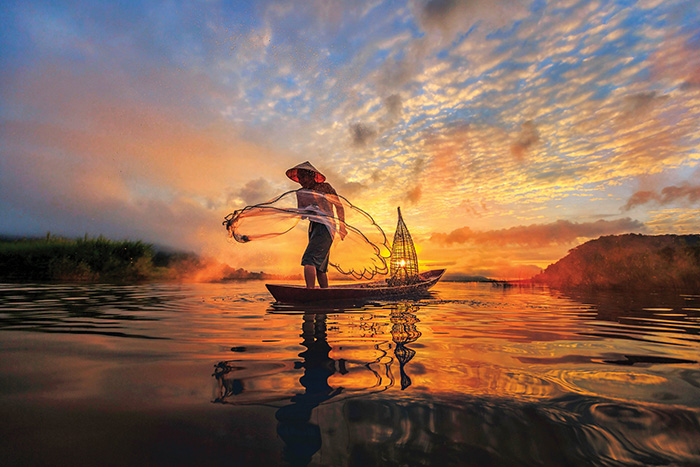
330 375
379 289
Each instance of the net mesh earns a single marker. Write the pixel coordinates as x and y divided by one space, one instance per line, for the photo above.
403 263
361 253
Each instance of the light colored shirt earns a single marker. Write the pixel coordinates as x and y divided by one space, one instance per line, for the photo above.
316 203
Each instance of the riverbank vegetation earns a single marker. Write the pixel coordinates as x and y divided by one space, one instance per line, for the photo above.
87 259
53 258
630 262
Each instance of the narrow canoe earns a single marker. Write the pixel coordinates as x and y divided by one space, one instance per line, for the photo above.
284 293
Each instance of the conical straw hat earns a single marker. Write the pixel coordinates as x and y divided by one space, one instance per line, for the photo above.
292 173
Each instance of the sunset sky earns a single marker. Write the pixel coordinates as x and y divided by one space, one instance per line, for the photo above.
508 131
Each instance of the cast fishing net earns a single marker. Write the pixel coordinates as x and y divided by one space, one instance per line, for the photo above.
362 253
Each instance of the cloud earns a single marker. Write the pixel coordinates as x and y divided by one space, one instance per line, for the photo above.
438 12
447 148
640 105
442 21
670 194
528 137
396 73
674 221
453 16
393 106
539 235
339 181
362 134
114 123
256 191
639 198
674 193
474 209
678 60
107 153
414 194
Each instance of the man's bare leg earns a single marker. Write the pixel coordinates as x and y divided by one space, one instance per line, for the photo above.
310 276
322 280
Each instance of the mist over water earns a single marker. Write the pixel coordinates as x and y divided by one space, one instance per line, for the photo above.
165 374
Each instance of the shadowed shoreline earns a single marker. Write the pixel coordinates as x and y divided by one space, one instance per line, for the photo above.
59 259
628 262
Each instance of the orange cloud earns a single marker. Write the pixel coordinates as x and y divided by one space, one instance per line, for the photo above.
539 235
496 261
668 194
413 195
528 137
447 148
640 197
100 121
114 163
678 60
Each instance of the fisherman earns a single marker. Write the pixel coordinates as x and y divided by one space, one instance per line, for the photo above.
318 198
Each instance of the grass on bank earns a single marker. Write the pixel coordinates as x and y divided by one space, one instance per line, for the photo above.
60 259
55 258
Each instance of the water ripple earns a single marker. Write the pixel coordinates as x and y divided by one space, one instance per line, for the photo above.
500 377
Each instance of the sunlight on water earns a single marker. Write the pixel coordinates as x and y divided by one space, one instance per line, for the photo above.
471 374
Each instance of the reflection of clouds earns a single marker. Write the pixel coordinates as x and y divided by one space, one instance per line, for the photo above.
529 359
502 431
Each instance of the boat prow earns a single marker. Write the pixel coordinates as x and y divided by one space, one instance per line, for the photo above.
284 293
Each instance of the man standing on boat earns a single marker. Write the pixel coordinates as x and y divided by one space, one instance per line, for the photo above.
318 198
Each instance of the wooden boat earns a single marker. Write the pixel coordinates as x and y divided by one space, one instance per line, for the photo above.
284 293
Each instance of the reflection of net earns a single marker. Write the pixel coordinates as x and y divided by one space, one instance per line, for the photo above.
403 265
361 254
404 331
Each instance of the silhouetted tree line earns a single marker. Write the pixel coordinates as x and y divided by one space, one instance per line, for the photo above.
54 258
630 261
63 259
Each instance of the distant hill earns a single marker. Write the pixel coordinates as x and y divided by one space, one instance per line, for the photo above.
458 277
629 261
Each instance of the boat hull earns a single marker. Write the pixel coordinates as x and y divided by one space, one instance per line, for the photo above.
284 293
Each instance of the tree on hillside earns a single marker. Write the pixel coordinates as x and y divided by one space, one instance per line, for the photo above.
629 261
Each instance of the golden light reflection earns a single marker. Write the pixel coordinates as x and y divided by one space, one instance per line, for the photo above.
518 350
446 364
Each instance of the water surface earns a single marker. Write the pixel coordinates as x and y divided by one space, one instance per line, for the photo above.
164 374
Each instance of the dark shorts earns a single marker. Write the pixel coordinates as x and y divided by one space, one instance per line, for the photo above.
319 247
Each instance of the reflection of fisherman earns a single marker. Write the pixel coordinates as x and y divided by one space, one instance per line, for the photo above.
303 439
317 197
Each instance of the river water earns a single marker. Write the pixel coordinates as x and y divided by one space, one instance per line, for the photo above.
169 374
